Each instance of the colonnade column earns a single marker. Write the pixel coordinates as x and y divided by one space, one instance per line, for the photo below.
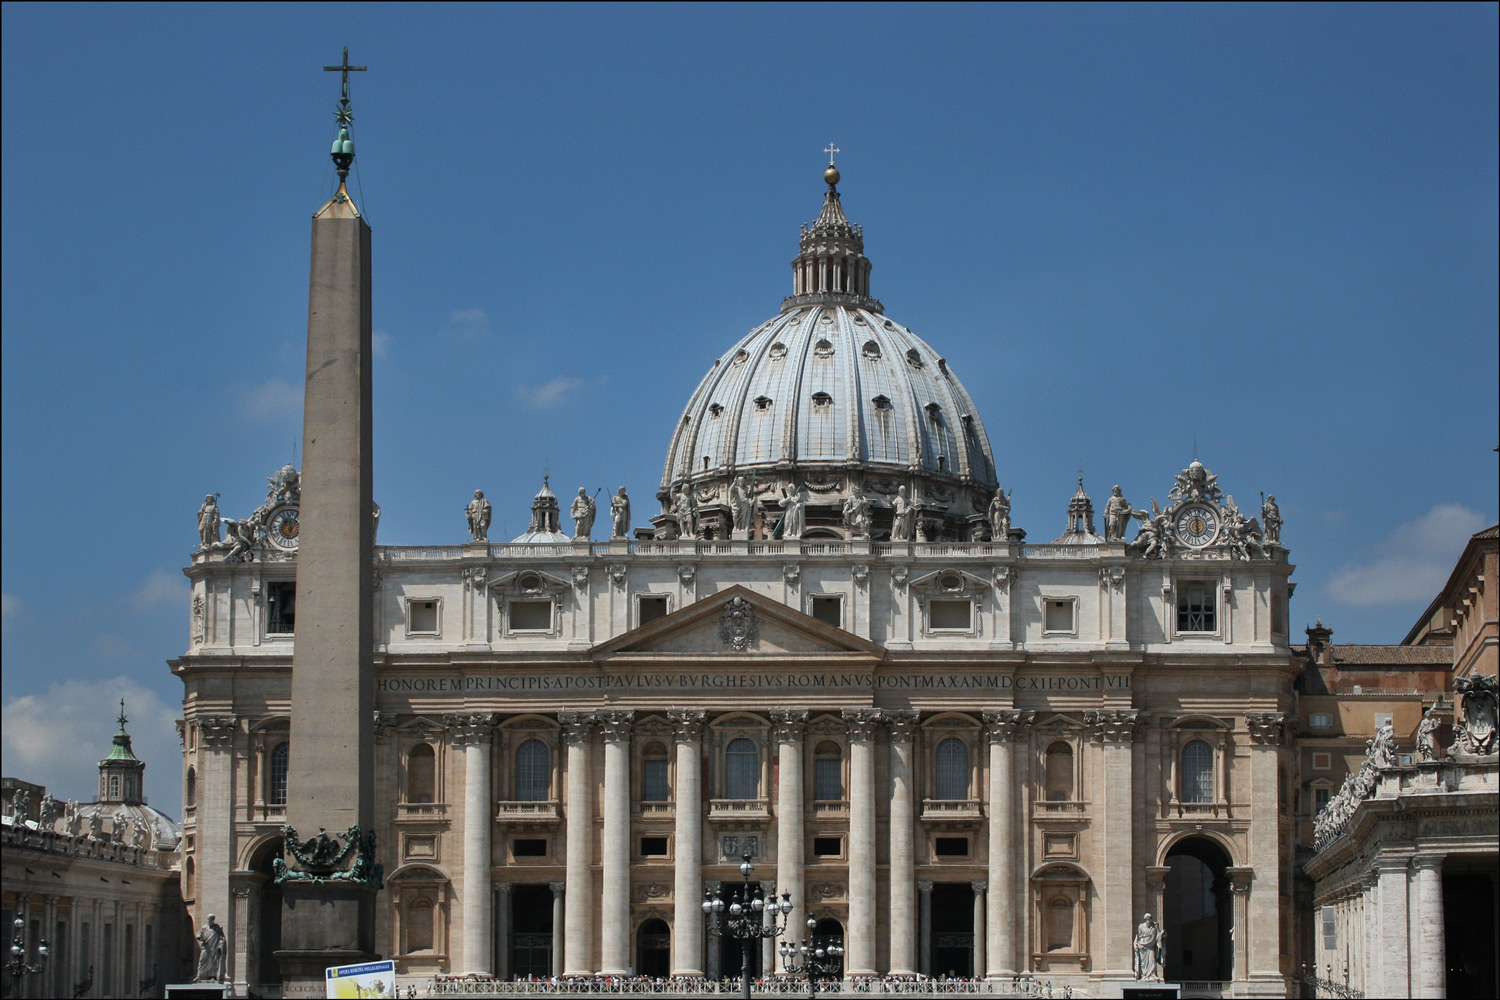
1003 912
474 734
558 909
614 952
711 960
687 888
502 930
924 929
1394 944
1239 895
1432 973
903 858
577 940
791 732
978 960
860 947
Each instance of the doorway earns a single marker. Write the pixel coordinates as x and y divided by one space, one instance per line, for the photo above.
531 931
653 949
1198 915
953 929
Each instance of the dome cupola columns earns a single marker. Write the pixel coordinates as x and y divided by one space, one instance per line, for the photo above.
831 268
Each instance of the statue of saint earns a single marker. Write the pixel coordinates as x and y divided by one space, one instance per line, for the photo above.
1116 516
686 509
857 513
794 512
904 521
1270 520
619 514
1428 747
479 513
208 522
583 511
210 953
48 812
744 504
999 515
1148 950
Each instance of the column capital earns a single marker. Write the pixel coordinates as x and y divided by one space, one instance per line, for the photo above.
904 723
979 885
1007 724
790 724
471 729
1428 862
217 732
1125 725
1156 877
578 727
615 725
687 724
862 723
558 888
1266 728
924 885
385 725
1240 879
504 888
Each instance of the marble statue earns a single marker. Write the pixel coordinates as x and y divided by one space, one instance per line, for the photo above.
583 512
243 535
1116 516
119 822
904 518
1476 732
1270 520
999 515
685 507
619 514
479 513
793 512
208 522
72 822
210 953
1243 533
857 513
20 805
1427 735
743 504
48 812
1149 938
1151 540
96 826
140 835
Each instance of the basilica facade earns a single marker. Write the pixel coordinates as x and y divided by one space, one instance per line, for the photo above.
961 752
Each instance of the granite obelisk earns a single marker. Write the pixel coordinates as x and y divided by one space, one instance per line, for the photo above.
328 896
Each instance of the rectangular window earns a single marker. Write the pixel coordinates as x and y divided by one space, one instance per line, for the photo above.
828 779
1197 607
1320 720
649 608
1058 616
529 847
829 610
1322 761
653 847
951 847
531 616
1320 799
654 773
828 847
950 615
422 617
1330 929
281 607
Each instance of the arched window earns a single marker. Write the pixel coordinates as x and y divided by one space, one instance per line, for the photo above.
741 770
276 787
190 789
952 769
1059 773
533 771
187 878
421 773
1197 772
828 773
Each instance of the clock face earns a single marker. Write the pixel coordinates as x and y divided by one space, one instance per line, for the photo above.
282 528
1197 525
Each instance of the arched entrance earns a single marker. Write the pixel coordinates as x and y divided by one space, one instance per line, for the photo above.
1198 915
267 923
653 949
830 931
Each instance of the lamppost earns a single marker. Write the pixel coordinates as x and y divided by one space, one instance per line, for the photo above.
818 957
18 968
746 921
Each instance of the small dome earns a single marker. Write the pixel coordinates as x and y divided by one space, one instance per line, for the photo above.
545 528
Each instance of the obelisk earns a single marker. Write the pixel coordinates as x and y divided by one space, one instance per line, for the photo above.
328 913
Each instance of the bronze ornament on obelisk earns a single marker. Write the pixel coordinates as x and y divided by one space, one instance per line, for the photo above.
329 880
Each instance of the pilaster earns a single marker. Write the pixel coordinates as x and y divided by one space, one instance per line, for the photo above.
1005 923
859 956
687 888
474 734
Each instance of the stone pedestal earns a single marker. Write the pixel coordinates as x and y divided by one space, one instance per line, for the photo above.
329 921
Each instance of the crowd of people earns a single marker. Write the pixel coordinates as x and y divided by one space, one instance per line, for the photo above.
1026 986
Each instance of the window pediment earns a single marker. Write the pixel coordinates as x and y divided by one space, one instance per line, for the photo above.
949 581
529 583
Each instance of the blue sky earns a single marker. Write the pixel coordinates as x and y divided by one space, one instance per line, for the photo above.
1269 229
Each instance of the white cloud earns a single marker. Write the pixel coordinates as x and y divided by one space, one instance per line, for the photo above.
273 400
467 323
380 344
540 397
1412 563
113 647
164 588
11 610
58 737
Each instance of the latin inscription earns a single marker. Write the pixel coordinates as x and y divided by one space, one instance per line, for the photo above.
685 681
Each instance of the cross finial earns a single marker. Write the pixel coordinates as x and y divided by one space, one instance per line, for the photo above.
831 149
345 69
122 720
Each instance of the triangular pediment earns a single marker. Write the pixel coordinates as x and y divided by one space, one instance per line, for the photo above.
738 622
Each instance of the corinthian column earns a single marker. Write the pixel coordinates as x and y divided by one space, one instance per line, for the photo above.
1003 899
791 731
860 949
687 889
614 956
474 734
903 857
577 942
1116 730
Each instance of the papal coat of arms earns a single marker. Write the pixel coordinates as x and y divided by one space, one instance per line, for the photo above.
738 627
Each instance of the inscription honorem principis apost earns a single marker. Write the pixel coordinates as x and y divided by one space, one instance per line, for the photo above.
734 680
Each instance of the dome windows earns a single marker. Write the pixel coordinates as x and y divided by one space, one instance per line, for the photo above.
871 350
823 349
882 402
740 357
822 401
934 413
778 351
716 410
762 403
913 358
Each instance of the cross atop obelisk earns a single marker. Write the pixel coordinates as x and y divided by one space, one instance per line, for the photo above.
346 69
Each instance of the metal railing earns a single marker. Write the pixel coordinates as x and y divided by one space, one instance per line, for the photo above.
775 986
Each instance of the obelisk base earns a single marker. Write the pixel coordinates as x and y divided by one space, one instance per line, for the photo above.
323 925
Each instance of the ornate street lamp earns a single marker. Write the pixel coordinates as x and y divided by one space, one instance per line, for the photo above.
18 968
817 956
746 921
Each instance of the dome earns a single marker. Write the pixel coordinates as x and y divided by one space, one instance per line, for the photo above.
834 396
544 528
